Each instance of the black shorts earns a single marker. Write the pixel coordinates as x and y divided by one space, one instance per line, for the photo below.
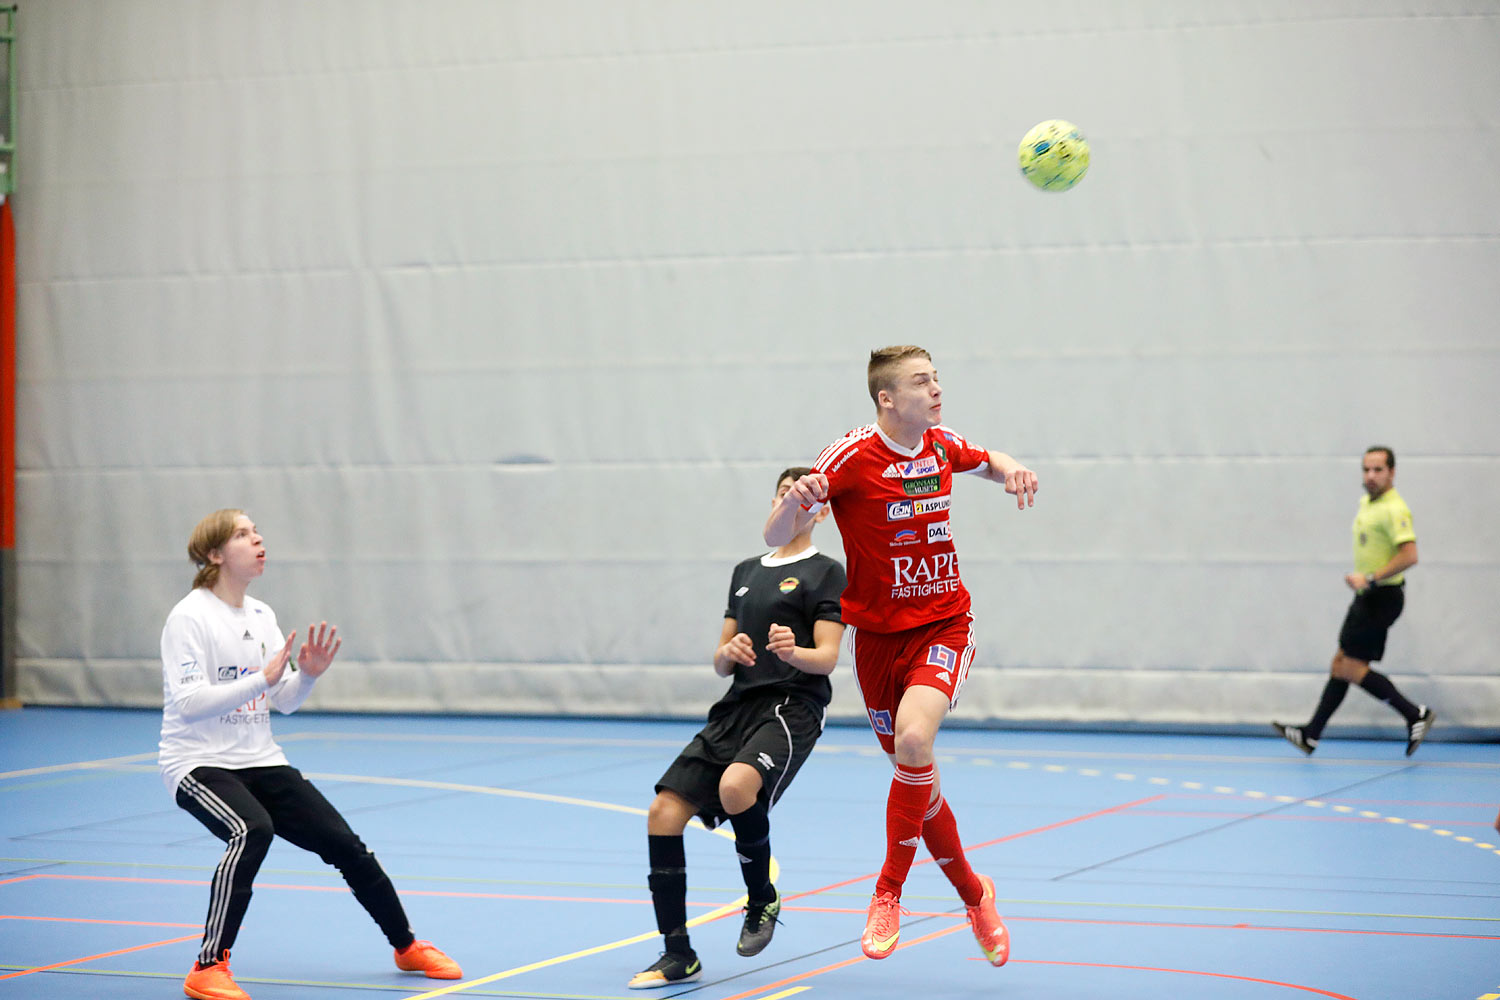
1370 617
772 734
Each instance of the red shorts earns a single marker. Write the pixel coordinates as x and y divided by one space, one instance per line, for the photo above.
934 655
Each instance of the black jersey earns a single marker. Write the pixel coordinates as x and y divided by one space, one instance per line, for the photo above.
795 592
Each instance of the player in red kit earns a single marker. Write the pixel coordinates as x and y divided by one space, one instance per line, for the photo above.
912 635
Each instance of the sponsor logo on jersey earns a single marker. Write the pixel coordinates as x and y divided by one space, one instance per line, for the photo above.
924 576
788 585
938 531
742 592
917 487
900 510
188 671
924 466
933 505
906 536
228 673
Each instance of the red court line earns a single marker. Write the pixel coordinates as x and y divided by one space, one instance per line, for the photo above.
1285 818
1187 972
990 843
18 878
106 954
93 920
839 965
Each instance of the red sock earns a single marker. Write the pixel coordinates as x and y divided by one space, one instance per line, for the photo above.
940 831
910 789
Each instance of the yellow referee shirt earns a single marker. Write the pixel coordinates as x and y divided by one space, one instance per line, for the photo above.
1380 528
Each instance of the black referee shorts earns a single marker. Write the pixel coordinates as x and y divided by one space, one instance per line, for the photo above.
773 734
1370 617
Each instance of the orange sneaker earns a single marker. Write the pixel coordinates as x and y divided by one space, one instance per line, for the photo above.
422 956
994 939
213 982
882 926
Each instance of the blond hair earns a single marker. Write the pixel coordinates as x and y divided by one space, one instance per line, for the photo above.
881 373
210 535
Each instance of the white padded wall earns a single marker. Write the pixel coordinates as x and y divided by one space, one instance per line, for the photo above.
501 317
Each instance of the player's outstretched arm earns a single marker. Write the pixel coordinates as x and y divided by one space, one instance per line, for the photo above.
1019 481
821 658
734 648
790 517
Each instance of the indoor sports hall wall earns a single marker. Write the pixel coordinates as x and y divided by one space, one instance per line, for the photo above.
500 319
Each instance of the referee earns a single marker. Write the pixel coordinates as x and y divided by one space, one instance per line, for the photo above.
780 641
1385 547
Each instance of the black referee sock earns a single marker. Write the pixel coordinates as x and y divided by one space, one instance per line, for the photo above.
668 882
1380 686
1333 697
752 840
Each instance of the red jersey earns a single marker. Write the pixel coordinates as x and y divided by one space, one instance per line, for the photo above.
891 505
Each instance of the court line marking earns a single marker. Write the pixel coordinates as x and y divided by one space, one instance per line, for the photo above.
105 954
786 993
96 920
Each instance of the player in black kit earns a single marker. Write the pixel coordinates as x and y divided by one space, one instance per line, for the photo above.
780 642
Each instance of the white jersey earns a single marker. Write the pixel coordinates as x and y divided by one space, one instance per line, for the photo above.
215 703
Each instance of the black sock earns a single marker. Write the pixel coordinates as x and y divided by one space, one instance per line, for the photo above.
752 839
1333 697
668 882
1380 686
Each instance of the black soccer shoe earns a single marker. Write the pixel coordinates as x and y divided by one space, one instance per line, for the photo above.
670 968
1297 738
1417 731
760 924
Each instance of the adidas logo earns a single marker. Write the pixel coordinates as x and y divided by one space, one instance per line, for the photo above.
943 861
765 761
942 675
248 635
743 860
912 842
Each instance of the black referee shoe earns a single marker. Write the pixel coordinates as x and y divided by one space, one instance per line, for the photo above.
760 924
1417 731
1297 738
670 968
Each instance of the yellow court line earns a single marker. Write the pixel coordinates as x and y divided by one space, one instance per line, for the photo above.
597 949
786 993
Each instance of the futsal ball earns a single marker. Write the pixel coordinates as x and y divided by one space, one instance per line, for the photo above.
1054 155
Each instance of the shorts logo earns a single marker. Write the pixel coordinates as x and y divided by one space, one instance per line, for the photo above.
934 506
742 592
765 761
900 510
906 536
942 657
228 673
881 722
788 585
919 487
938 531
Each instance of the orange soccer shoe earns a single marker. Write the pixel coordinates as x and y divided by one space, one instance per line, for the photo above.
213 982
882 926
989 929
423 956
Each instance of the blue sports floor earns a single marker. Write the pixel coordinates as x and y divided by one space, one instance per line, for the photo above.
1127 866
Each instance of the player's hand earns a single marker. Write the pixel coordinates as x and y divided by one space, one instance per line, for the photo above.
317 653
1356 581
740 649
783 642
1021 483
810 489
272 671
1497 824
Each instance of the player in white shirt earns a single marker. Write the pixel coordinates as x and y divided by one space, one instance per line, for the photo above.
225 664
